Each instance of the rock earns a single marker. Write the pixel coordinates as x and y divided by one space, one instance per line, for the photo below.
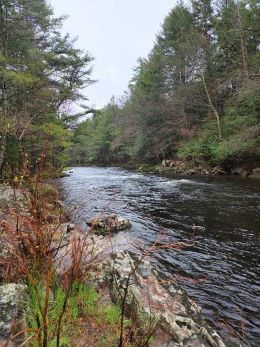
145 168
108 223
240 171
218 171
63 232
255 173
165 163
12 306
191 172
164 303
9 198
65 213
204 172
237 171
170 163
70 227
62 175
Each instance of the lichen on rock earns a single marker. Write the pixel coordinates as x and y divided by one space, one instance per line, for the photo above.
164 303
12 308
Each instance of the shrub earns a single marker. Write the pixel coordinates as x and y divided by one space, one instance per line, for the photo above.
47 193
240 132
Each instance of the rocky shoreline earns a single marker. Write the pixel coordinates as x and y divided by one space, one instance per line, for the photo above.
162 305
176 319
188 168
130 280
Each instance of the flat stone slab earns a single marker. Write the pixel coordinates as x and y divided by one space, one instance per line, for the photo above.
177 318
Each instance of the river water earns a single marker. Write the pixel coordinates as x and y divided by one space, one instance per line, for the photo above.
221 271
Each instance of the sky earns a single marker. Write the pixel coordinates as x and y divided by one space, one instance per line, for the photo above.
116 33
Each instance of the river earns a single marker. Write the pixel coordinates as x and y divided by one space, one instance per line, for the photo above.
221 271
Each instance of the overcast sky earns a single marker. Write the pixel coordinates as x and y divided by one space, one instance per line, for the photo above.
116 33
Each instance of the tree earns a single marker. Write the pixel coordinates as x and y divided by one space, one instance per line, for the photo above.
185 98
40 72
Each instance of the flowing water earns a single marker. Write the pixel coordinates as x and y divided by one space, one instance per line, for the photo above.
221 271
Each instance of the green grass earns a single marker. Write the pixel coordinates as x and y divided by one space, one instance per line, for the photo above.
84 303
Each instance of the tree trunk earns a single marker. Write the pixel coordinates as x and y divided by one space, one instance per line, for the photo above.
2 151
212 106
242 43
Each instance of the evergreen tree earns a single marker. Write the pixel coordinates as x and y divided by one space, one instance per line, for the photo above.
195 95
40 72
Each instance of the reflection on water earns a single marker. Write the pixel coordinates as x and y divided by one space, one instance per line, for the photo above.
226 214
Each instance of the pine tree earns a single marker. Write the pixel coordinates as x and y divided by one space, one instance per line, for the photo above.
40 71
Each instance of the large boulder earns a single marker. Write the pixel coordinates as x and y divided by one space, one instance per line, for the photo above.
12 308
108 223
9 197
163 303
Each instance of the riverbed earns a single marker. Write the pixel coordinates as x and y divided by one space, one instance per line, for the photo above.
220 216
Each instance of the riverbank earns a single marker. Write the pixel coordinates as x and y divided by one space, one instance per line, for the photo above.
225 212
156 312
48 295
188 168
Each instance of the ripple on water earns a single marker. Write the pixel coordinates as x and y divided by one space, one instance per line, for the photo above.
227 236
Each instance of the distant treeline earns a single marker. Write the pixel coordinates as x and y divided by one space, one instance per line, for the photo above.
196 96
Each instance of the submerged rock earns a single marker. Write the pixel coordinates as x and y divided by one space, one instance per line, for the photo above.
12 305
108 223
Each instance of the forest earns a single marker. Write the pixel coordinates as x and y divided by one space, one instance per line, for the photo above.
41 75
195 97
106 257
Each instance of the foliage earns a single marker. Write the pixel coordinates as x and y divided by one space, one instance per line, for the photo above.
195 95
83 303
47 193
240 128
56 270
41 75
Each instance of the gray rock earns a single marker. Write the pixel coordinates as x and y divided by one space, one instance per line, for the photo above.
164 303
240 171
8 198
218 171
191 172
255 173
12 305
108 223
70 227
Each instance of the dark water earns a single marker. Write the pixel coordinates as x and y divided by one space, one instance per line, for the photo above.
226 252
